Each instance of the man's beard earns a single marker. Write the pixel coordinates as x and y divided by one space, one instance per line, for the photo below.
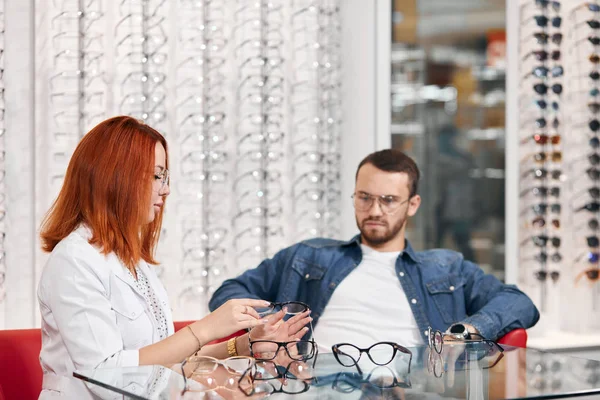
380 237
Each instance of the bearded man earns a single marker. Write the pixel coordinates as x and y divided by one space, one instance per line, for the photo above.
376 287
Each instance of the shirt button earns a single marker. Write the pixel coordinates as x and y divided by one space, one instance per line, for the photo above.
414 301
401 273
306 276
332 285
451 288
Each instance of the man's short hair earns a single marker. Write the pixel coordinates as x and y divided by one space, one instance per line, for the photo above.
394 160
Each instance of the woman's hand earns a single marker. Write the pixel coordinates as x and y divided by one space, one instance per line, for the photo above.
234 315
278 330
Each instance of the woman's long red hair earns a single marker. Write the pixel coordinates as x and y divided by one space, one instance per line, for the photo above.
108 187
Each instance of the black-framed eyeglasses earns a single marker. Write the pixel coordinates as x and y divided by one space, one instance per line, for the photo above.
292 307
267 350
388 203
381 353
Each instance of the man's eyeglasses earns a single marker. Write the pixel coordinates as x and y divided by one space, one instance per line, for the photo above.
381 353
389 204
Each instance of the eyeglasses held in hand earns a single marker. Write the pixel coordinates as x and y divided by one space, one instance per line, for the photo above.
389 204
381 353
267 350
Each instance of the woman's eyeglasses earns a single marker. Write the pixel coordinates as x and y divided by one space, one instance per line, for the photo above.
381 353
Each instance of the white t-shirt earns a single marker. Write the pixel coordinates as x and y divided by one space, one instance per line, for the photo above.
369 306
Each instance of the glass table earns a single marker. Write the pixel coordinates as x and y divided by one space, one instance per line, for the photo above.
459 372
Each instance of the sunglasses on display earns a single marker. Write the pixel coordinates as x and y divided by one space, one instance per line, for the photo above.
592 274
542 209
540 222
592 241
592 206
542 88
592 23
545 3
544 191
543 55
542 173
542 240
543 104
543 37
593 173
542 21
543 257
543 275
542 156
542 138
543 72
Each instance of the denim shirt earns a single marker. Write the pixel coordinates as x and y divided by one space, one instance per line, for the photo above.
442 287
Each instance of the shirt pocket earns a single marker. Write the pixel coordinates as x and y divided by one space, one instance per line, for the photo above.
133 322
308 271
448 295
305 280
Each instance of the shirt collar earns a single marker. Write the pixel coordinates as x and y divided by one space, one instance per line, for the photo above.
408 249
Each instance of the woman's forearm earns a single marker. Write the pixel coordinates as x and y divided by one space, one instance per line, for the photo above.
176 347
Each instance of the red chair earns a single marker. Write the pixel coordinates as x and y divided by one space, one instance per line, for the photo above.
20 371
516 338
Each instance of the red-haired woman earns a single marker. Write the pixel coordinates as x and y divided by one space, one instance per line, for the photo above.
102 305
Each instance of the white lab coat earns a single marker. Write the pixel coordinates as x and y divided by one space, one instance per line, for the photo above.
92 315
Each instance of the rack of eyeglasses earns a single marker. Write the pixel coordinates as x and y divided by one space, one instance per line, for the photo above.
141 53
583 22
75 84
541 164
259 168
315 104
2 163
248 95
203 207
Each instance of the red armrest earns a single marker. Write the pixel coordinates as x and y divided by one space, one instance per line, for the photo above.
516 338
